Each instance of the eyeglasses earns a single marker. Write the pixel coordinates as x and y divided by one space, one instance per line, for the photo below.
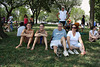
74 27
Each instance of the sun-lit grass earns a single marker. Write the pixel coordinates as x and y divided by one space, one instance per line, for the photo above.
21 57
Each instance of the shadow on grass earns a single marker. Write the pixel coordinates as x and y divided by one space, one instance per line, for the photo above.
21 57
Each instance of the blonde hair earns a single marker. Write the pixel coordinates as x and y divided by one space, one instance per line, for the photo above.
60 24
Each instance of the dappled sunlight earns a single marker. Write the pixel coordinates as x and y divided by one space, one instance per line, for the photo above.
48 57
11 65
41 58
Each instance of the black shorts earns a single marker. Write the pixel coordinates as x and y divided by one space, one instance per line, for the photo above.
63 22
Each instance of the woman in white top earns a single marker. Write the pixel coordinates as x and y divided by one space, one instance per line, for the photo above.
93 34
73 37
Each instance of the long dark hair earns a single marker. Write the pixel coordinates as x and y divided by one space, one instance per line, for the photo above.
25 16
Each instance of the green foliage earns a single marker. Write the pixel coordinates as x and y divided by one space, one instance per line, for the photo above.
3 12
69 4
76 13
97 10
22 12
52 16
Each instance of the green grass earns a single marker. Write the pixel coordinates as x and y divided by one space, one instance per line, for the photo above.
21 57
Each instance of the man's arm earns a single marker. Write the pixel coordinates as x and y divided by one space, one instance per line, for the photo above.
37 34
67 15
23 33
57 16
30 35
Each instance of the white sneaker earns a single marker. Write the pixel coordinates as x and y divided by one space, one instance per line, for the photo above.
76 52
71 52
65 53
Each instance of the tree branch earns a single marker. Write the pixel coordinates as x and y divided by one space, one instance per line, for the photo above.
4 5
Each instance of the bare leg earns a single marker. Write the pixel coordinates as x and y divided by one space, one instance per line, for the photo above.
63 42
30 40
45 41
73 47
36 38
55 49
21 40
8 27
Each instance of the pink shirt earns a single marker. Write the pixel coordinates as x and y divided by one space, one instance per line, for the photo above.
25 20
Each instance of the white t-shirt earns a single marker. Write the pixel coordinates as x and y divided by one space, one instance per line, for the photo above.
95 32
20 29
73 39
62 15
10 18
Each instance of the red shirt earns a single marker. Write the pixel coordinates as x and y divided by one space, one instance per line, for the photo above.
25 20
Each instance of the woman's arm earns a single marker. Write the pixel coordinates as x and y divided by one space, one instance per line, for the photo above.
68 41
80 40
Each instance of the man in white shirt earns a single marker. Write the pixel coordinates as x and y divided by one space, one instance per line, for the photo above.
10 23
62 16
20 29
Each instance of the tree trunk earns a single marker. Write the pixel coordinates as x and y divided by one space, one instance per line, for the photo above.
2 34
92 4
9 13
33 15
36 16
33 18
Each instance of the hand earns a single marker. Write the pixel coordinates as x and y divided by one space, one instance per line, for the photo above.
66 19
59 19
70 48
39 33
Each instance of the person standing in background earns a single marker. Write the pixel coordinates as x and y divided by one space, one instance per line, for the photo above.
10 23
62 16
83 23
25 20
31 20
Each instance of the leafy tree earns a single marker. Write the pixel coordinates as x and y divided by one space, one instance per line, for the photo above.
52 16
76 13
37 5
97 10
12 4
2 34
69 4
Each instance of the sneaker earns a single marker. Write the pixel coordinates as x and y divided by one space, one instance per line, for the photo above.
59 52
71 52
65 53
76 52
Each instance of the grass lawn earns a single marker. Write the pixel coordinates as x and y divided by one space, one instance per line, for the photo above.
21 57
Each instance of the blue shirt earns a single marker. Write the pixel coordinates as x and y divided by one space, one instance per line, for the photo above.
57 35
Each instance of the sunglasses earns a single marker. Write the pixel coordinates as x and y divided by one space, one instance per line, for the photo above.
74 27
59 26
